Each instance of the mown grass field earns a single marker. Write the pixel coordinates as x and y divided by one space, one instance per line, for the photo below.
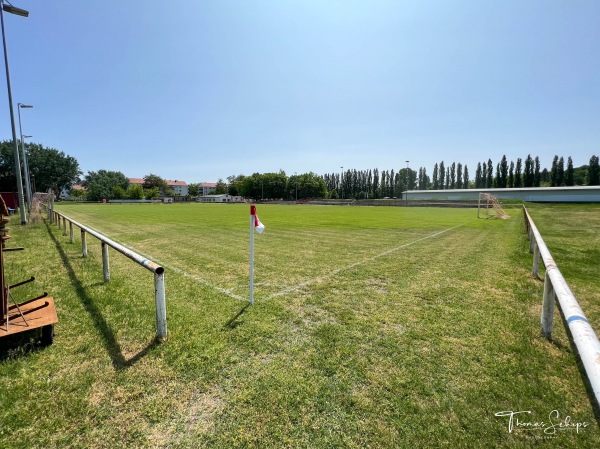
372 327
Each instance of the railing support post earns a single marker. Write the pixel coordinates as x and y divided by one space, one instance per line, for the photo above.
71 232
105 262
548 307
64 226
536 260
531 240
161 305
83 244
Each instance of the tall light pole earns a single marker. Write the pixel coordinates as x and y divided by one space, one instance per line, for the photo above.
407 181
20 12
28 189
342 182
25 162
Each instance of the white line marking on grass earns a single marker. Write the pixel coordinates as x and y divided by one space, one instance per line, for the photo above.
300 285
180 271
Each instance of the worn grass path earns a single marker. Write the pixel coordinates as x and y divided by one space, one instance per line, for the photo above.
369 330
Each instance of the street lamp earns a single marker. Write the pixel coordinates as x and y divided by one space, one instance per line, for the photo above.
342 182
407 181
20 12
25 162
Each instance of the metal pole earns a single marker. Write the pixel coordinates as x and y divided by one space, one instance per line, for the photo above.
536 260
12 124
105 262
50 206
548 307
161 305
251 256
407 181
27 178
25 162
342 182
83 244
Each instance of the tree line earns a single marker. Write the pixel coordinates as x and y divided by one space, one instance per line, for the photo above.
361 184
53 169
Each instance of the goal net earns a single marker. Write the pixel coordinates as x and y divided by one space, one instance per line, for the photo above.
491 205
39 202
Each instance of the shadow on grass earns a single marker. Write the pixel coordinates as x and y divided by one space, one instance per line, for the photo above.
19 345
108 337
234 322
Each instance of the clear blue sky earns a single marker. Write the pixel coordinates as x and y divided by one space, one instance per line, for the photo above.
200 90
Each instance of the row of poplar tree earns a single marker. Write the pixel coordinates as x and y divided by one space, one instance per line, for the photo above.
361 184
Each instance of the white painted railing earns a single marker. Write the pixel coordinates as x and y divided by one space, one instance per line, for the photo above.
159 276
556 288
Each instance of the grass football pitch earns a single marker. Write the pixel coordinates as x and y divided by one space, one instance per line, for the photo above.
372 327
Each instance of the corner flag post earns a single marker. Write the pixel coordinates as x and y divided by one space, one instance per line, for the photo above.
255 224
252 224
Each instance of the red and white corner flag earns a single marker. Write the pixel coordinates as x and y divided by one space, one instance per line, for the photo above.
258 226
255 224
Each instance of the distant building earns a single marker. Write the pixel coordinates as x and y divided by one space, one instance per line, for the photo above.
66 191
576 194
205 188
179 187
139 181
224 198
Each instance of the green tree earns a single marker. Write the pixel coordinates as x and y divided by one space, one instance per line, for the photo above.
151 181
594 172
118 193
478 183
560 177
518 173
466 178
503 176
77 194
490 174
152 193
570 173
221 187
554 172
101 184
528 173
193 189
442 176
459 176
436 184
308 185
511 175
48 167
484 176
537 176
135 192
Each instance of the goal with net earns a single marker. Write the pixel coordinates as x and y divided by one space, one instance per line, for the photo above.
491 205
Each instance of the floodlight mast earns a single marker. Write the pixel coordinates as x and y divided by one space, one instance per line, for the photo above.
20 12
28 193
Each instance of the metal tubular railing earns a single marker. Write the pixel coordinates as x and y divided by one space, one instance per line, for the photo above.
556 288
159 277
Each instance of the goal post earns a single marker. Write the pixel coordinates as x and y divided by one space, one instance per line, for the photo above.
39 202
491 205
